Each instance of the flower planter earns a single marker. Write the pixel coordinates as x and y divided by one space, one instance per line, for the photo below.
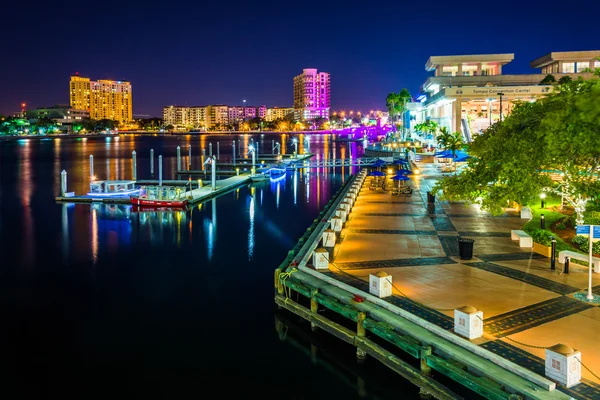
541 249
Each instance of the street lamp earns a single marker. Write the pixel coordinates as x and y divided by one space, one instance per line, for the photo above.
501 95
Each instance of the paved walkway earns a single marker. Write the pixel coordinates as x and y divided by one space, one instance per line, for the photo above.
520 296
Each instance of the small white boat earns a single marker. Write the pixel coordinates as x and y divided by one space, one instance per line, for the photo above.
260 177
113 188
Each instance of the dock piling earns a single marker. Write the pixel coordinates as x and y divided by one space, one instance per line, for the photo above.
218 152
210 149
314 308
159 170
152 162
189 157
272 146
234 152
178 158
361 354
91 167
214 174
63 182
133 165
424 353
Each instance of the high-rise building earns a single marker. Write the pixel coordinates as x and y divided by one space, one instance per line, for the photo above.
177 116
197 117
217 114
278 112
311 95
104 99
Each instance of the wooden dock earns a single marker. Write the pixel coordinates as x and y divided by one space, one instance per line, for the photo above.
197 195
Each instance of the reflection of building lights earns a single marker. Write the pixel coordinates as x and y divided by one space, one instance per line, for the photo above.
251 229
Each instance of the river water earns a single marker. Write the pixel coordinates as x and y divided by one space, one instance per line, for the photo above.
98 300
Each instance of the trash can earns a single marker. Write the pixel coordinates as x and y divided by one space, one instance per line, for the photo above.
465 248
430 198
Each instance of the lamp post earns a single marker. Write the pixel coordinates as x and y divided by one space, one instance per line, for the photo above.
501 95
251 150
295 142
542 197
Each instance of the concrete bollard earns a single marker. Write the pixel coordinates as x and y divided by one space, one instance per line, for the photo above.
563 364
328 238
336 224
348 199
210 149
468 322
344 204
321 258
340 212
380 284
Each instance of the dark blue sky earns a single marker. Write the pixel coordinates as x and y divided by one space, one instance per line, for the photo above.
202 52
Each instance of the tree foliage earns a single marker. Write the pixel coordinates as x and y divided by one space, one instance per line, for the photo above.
513 158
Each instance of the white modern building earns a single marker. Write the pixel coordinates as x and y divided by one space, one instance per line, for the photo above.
468 93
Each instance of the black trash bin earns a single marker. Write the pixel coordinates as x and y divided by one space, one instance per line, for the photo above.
430 198
465 248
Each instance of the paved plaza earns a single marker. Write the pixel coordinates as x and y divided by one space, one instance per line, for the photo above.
521 298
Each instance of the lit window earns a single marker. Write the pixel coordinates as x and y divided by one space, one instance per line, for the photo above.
581 66
568 68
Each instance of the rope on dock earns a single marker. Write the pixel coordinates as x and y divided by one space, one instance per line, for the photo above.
283 277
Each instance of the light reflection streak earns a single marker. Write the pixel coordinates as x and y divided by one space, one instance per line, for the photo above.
94 226
25 188
251 229
295 186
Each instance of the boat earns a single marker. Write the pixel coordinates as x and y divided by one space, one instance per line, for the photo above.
260 177
113 188
275 172
146 202
144 209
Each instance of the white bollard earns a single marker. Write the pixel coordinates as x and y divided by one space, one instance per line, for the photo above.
526 213
344 204
348 199
340 212
380 284
328 238
210 149
178 158
321 258
468 322
563 364
336 224
233 152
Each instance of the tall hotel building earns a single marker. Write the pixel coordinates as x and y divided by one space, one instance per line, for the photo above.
104 99
311 95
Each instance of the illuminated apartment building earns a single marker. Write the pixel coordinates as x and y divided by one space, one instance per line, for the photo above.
177 116
217 115
278 112
311 95
104 99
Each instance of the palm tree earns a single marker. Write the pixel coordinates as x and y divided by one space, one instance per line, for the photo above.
450 141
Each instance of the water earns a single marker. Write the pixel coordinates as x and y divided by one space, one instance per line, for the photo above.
98 300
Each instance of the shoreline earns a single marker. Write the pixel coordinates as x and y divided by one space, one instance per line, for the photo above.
142 133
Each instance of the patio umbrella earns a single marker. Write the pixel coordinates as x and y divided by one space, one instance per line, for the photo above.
376 173
462 159
404 172
400 177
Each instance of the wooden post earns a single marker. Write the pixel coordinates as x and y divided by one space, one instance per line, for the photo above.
314 307
361 355
424 353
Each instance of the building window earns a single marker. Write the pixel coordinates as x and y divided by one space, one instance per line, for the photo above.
568 68
596 64
581 66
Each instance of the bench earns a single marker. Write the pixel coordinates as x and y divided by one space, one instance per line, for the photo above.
578 256
524 239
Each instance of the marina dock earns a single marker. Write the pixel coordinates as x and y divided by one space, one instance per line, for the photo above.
527 309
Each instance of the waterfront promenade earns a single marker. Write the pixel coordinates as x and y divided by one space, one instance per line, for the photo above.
522 300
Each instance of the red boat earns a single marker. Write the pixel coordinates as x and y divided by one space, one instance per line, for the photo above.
140 201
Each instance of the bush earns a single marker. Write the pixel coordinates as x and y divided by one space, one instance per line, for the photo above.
542 236
583 243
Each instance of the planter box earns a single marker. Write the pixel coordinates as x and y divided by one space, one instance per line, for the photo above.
541 249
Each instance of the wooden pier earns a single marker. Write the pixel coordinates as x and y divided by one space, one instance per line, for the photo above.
389 333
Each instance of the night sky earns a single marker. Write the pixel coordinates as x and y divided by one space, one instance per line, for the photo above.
199 53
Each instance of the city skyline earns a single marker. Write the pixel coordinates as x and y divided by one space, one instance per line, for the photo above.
359 46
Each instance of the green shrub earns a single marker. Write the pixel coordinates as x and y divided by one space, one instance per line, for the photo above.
541 236
583 243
